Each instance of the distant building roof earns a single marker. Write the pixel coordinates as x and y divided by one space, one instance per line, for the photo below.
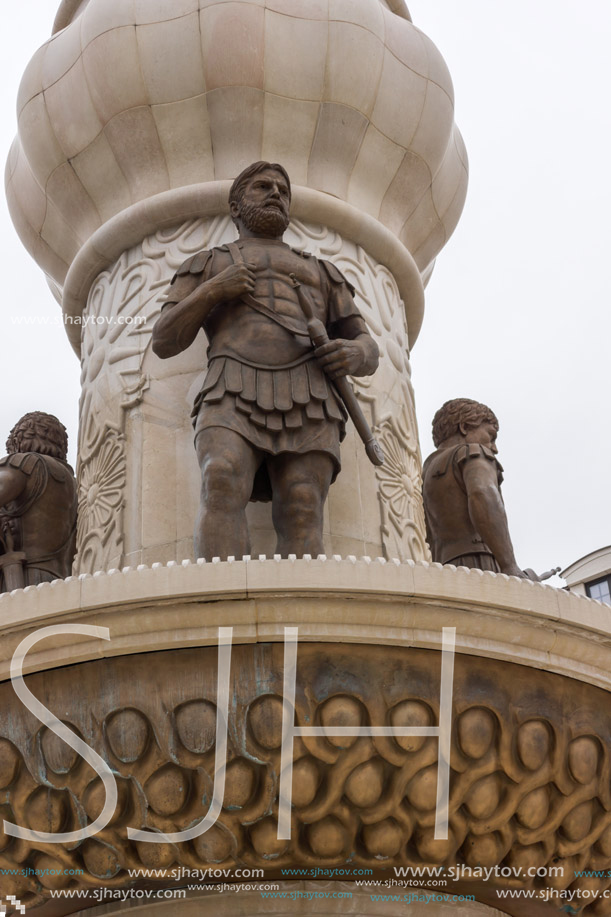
590 567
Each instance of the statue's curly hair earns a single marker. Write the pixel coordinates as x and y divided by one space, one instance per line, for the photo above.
450 415
236 192
39 432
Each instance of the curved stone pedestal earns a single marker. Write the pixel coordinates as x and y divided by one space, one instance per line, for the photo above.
530 746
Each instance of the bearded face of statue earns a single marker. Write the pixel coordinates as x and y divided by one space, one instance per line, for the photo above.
264 220
264 207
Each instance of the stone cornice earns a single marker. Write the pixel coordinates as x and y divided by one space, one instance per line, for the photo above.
331 600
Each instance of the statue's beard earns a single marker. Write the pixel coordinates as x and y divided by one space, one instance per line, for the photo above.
265 221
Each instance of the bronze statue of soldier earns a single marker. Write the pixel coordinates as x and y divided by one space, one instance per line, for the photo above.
268 420
38 504
465 514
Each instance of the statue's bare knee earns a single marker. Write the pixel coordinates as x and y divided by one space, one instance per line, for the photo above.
300 486
300 508
227 466
221 486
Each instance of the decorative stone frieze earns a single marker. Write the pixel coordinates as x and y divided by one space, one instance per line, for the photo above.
529 768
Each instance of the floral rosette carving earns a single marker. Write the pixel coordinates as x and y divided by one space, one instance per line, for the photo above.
100 501
400 483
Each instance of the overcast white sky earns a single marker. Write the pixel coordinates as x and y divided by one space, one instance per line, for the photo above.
518 309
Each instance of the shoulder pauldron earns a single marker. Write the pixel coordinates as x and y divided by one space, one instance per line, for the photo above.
196 264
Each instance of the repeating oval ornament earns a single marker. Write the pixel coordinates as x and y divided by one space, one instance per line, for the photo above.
584 756
365 784
265 721
327 837
51 873
58 756
306 780
47 810
94 799
167 790
10 761
240 783
534 808
265 840
357 821
476 729
422 789
578 823
484 797
100 859
534 744
215 845
127 733
384 839
196 725
156 856
434 851
342 711
481 850
604 842
523 857
411 713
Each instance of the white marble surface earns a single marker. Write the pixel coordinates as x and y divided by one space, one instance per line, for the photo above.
346 600
134 99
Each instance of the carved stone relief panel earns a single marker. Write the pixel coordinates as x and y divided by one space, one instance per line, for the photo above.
529 769
122 307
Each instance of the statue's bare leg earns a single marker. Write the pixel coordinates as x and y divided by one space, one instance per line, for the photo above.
228 464
300 484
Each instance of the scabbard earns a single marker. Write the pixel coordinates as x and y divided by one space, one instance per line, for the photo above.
318 336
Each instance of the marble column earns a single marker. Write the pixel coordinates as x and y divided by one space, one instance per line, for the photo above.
133 119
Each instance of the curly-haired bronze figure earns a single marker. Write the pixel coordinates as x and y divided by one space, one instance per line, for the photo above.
38 504
465 514
268 420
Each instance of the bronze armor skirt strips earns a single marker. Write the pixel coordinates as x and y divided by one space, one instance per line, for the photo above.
276 399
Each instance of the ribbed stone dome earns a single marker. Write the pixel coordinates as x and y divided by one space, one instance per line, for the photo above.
136 98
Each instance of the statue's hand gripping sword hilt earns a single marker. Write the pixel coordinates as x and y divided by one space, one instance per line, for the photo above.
318 336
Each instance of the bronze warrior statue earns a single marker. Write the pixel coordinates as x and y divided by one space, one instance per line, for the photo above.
268 420
38 503
465 513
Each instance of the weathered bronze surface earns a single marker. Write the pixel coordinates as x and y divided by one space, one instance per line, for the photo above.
465 514
268 421
38 504
529 782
